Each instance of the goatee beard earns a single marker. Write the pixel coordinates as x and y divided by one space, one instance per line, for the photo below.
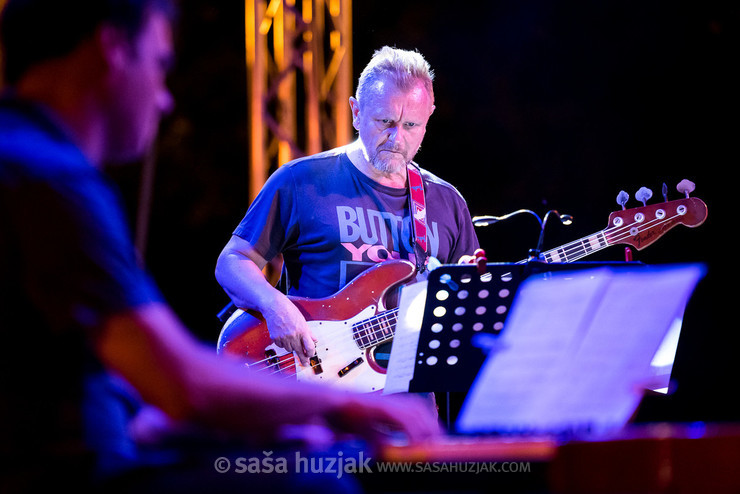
383 166
386 165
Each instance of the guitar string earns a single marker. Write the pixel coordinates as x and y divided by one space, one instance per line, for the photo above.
375 327
275 367
380 322
647 226
289 366
577 249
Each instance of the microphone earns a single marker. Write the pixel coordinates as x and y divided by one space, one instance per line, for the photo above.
490 220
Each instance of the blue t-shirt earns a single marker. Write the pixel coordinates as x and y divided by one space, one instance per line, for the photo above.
331 222
66 264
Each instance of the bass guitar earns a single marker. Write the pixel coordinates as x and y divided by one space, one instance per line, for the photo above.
354 327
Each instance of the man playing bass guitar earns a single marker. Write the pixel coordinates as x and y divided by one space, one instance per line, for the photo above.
335 214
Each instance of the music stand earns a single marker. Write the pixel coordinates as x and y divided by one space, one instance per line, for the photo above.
460 304
464 311
579 351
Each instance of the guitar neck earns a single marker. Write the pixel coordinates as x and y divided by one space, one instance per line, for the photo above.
376 330
637 227
577 249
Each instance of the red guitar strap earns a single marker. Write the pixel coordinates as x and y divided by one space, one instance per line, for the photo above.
417 205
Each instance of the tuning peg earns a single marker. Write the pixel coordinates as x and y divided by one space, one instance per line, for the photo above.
686 187
643 195
665 192
622 198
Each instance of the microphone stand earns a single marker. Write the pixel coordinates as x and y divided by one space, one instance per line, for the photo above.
565 219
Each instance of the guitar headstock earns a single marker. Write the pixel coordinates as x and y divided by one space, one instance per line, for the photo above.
641 226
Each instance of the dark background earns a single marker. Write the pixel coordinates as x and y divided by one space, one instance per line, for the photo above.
540 105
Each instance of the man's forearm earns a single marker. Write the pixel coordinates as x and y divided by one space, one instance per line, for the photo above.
244 282
150 348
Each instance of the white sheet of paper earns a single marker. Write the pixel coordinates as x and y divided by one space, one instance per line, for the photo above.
406 340
577 349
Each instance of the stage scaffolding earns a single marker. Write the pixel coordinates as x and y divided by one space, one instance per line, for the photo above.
299 80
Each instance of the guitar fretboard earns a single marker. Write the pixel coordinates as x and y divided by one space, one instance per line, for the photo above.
375 330
578 249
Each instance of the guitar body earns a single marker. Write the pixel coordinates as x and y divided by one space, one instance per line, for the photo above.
341 360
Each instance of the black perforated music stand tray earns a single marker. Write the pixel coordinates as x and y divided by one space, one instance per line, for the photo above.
462 309
461 304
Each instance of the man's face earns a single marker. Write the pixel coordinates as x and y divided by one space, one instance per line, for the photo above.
140 96
391 123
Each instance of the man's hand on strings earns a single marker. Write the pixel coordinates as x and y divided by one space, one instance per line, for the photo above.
289 329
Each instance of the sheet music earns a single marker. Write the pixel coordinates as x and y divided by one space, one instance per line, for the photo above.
662 364
577 349
405 341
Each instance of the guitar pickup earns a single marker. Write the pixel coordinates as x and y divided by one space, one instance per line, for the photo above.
350 366
271 357
316 365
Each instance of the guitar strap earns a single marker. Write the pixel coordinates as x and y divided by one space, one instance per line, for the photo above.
418 208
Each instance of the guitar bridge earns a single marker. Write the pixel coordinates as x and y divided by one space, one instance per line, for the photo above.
350 366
